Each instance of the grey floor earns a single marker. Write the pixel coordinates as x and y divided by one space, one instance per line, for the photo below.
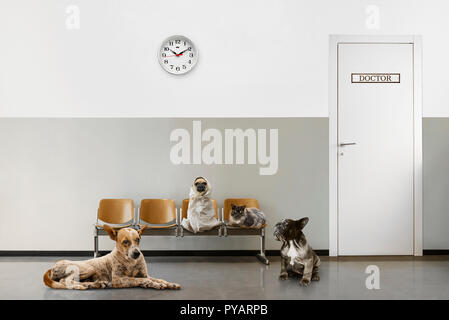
246 278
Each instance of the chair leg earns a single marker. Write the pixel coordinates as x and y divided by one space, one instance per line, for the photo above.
261 256
96 246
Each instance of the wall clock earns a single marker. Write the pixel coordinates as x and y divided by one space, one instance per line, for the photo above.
178 55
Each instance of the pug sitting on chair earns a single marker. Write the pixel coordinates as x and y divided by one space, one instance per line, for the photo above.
201 212
296 254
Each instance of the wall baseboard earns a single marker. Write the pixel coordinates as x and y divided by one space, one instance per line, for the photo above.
437 252
147 253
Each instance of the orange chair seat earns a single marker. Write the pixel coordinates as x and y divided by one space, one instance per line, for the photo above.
157 212
171 225
115 211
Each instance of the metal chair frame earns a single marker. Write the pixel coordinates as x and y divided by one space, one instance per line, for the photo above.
237 231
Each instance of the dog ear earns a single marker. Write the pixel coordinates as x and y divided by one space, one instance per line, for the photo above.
302 222
111 232
142 229
233 206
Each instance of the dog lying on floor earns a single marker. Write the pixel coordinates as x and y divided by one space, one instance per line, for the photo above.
296 254
124 267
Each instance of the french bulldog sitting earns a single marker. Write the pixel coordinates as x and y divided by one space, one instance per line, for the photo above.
296 254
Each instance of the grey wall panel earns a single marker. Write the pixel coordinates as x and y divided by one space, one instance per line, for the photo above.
436 183
53 172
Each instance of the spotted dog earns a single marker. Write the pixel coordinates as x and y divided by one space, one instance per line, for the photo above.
124 267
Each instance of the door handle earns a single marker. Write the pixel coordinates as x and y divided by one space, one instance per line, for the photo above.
347 144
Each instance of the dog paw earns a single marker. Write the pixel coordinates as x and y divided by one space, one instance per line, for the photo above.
154 285
283 276
98 285
304 282
160 286
104 284
315 277
174 286
78 287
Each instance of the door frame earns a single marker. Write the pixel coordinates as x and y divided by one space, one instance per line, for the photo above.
416 41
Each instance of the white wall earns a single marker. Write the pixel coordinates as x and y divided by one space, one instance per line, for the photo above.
257 57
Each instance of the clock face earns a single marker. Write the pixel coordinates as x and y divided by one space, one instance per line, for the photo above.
178 55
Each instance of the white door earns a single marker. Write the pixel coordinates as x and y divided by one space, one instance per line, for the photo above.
375 174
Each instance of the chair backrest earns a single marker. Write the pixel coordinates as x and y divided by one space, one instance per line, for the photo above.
248 202
157 211
185 206
116 211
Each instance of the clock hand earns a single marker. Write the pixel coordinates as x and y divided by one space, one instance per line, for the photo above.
176 54
184 51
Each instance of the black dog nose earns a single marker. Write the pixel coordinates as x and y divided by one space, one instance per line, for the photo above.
136 254
201 188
